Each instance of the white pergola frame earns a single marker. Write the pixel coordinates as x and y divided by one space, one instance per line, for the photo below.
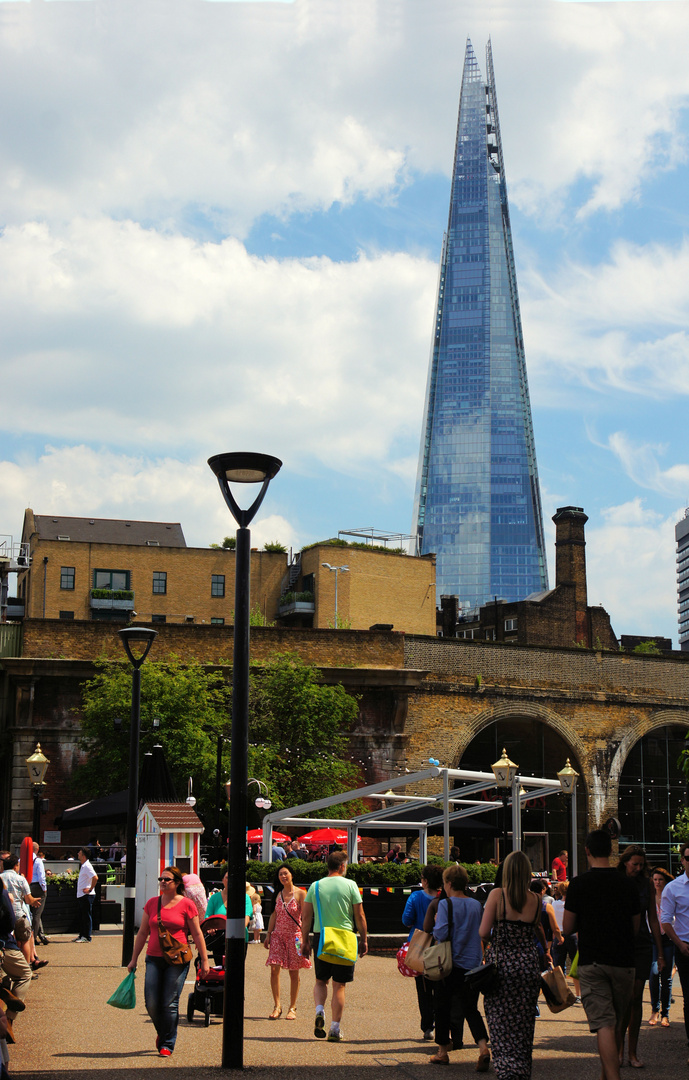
475 782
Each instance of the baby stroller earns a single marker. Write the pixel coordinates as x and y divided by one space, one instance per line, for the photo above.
207 995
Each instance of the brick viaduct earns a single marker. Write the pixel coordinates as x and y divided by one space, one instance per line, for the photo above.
415 692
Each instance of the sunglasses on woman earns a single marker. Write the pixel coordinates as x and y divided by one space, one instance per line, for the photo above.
166 879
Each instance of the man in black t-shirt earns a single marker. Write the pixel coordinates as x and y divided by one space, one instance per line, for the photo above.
603 907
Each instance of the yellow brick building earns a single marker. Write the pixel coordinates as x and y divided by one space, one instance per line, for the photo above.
121 570
378 587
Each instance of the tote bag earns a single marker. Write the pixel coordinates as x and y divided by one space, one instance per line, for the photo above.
335 945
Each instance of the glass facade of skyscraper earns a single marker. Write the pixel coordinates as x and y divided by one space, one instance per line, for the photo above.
477 502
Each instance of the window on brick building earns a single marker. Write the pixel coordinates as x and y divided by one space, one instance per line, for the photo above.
66 577
217 584
217 622
158 618
159 583
510 624
66 614
111 579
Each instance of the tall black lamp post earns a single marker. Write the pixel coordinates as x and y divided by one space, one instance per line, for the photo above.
37 764
504 772
240 469
144 636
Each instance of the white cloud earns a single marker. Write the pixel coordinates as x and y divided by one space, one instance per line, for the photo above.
617 325
631 569
235 111
126 337
640 462
80 481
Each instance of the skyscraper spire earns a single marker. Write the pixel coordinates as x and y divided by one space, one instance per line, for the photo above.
478 503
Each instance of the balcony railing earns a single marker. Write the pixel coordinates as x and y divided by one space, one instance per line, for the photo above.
112 599
296 603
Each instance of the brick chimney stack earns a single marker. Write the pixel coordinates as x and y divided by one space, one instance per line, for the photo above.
570 560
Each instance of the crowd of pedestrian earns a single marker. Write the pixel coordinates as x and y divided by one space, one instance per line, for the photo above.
21 930
621 926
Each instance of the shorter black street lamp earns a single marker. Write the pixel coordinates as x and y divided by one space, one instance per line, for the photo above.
37 764
143 636
239 468
504 772
568 782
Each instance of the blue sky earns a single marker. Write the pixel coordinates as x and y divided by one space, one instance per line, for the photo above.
221 224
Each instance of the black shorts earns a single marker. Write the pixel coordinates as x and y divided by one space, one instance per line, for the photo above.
324 970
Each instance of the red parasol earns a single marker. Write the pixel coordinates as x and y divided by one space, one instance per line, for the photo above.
256 836
26 858
324 836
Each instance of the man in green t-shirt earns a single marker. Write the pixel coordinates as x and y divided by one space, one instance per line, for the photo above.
341 907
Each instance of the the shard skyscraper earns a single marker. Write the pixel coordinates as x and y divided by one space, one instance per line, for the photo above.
478 504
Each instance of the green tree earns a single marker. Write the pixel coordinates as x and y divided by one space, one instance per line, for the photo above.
192 704
647 648
298 730
229 543
299 733
679 832
274 545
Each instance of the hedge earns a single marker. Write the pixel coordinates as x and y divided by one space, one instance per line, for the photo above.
401 874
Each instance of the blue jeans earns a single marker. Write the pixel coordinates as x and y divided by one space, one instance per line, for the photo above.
85 907
661 985
162 988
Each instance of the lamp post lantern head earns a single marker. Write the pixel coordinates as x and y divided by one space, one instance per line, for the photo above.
141 634
504 771
244 468
37 765
568 778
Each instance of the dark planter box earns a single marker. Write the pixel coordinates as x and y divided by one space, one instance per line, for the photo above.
61 915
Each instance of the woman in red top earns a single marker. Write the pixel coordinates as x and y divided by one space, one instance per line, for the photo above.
164 981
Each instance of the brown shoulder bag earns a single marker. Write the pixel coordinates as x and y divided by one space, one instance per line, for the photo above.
175 952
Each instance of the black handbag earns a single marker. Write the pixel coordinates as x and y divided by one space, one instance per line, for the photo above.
483 978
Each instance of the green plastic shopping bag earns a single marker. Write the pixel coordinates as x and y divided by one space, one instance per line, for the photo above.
125 995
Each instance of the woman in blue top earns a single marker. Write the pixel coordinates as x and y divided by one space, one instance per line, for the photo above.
455 1001
413 915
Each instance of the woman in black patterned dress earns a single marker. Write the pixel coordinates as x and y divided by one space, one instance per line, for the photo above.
511 918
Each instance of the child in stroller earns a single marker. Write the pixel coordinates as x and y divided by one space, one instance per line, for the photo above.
207 995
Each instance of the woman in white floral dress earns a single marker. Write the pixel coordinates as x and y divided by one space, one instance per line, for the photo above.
283 941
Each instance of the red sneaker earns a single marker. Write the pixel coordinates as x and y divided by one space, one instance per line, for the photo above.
164 1052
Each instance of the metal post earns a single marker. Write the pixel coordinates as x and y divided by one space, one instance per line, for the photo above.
574 860
36 830
233 1010
516 815
336 572
446 816
218 771
504 796
352 845
423 845
132 811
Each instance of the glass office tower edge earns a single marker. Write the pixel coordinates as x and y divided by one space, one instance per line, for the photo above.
682 541
477 502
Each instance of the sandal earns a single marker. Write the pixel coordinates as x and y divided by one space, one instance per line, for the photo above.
483 1063
654 1020
439 1059
276 1013
665 1022
292 1013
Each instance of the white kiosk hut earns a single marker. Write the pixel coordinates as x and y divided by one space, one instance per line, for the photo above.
167 834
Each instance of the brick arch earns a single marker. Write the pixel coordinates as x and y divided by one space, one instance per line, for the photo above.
641 726
528 710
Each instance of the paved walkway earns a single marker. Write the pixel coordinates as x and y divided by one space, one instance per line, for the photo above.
68 1032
